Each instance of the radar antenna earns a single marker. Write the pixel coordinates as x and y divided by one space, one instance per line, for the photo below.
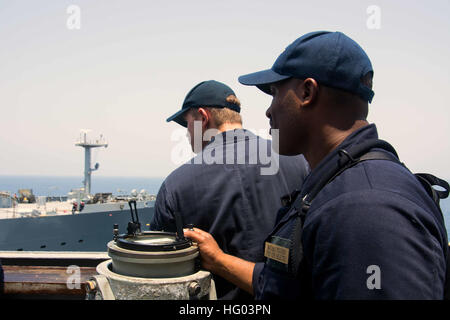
88 145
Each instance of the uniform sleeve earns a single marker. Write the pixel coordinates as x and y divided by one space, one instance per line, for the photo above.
256 282
163 218
373 245
2 280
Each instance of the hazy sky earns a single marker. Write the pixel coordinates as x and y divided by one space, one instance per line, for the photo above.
131 63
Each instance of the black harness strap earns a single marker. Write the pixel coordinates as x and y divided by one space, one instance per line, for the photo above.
302 205
428 181
348 159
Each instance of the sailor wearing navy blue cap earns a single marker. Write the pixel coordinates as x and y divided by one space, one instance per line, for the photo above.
362 226
225 188
210 93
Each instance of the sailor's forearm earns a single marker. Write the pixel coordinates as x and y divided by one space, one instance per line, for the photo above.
235 270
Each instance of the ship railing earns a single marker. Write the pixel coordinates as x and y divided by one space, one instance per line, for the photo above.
48 274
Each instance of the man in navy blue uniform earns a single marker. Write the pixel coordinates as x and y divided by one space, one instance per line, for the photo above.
233 185
2 280
373 232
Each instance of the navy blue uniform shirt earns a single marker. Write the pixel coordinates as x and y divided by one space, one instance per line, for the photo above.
372 233
2 279
236 202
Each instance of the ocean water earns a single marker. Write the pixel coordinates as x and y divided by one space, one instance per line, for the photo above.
60 186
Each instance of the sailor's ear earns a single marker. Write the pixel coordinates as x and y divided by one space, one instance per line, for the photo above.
309 91
205 117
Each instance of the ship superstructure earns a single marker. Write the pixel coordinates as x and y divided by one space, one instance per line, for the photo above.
78 222
88 145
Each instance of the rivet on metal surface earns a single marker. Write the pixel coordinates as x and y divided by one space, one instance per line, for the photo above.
194 288
91 286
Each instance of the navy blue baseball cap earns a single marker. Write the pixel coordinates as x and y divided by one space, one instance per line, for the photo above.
210 93
331 58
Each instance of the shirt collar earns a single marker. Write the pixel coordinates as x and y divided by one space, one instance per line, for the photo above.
329 162
229 137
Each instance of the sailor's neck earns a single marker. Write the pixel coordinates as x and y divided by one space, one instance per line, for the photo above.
229 126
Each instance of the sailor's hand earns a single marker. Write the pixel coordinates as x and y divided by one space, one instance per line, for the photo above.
233 269
208 247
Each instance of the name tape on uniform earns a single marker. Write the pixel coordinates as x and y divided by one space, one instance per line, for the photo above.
276 252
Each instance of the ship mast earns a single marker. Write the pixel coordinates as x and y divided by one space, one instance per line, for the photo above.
88 145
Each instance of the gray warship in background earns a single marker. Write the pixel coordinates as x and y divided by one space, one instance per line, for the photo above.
78 222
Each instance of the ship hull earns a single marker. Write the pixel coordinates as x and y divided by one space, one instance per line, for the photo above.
78 232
